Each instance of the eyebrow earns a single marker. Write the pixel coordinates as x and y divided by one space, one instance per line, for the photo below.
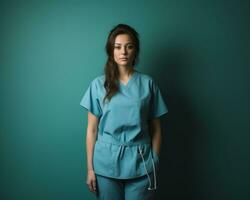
125 43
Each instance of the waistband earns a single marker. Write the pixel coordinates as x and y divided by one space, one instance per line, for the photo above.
111 140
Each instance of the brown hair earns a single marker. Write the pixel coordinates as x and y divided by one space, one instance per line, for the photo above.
111 67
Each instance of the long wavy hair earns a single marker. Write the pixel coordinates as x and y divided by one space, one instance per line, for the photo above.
111 68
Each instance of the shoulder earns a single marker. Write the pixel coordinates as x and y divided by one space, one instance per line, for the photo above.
98 81
146 78
149 82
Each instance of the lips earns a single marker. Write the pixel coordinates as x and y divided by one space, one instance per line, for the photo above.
123 58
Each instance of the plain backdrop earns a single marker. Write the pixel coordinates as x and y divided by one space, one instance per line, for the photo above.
197 51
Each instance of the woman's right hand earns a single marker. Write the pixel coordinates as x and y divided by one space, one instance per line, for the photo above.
91 180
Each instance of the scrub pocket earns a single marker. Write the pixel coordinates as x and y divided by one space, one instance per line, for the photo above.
103 159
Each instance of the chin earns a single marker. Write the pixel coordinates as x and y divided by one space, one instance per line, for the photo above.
125 63
126 66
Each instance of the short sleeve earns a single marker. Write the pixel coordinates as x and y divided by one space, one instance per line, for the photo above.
158 106
90 100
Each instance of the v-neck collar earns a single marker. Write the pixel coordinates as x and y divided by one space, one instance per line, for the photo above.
129 81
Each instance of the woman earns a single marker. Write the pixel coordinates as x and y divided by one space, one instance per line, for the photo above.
123 133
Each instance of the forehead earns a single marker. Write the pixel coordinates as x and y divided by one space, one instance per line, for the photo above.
123 39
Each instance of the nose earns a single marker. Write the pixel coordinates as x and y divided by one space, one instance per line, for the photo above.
124 50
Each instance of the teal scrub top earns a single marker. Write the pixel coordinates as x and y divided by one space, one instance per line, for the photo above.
123 127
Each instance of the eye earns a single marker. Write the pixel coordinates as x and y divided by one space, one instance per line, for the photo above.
117 47
130 46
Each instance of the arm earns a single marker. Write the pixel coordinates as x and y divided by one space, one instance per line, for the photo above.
92 130
155 132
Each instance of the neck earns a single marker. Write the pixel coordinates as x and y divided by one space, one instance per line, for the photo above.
125 71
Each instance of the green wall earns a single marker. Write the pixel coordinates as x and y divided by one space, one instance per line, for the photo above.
198 51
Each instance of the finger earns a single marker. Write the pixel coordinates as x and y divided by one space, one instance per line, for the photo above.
90 188
94 185
93 189
89 185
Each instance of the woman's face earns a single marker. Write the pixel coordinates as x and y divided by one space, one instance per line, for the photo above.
124 50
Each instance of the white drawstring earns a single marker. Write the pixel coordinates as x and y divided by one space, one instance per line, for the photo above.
149 187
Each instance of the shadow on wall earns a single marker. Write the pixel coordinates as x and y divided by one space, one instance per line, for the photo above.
178 176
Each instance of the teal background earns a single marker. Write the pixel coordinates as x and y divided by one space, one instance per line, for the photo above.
198 52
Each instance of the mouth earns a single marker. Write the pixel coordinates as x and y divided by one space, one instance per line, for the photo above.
123 58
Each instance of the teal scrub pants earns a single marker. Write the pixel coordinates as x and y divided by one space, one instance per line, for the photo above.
124 189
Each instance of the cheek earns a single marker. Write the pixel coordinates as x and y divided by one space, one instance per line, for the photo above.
115 53
132 54
116 56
